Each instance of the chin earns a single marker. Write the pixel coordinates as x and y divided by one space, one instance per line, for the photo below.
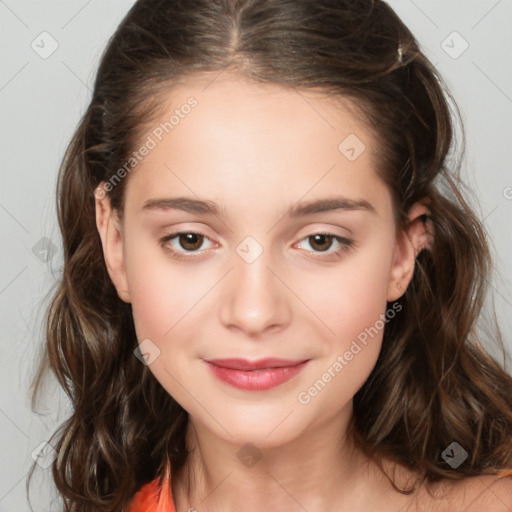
263 428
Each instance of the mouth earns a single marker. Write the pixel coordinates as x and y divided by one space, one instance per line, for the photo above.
255 375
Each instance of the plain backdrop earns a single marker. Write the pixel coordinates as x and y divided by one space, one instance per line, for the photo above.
49 54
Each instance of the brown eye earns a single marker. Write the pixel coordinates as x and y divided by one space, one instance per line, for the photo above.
184 244
190 241
322 242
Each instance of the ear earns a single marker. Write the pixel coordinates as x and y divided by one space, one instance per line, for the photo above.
418 235
110 231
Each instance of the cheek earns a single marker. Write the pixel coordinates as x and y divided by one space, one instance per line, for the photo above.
351 297
351 302
159 291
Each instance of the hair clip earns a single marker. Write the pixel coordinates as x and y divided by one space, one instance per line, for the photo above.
400 52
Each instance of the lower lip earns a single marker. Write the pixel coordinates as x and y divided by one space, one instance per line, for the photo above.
256 380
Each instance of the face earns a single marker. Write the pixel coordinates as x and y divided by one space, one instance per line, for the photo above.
246 268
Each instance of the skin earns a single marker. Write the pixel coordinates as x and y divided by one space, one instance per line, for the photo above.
256 150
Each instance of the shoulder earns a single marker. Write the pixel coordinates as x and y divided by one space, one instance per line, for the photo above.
489 493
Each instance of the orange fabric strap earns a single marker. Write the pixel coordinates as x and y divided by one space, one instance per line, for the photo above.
154 498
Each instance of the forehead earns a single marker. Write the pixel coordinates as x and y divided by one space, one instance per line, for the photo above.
223 137
228 101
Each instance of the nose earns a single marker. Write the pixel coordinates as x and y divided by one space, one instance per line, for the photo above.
255 300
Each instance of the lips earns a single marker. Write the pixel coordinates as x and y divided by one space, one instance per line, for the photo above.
244 364
255 375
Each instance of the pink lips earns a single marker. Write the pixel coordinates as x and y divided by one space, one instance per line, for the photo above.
255 375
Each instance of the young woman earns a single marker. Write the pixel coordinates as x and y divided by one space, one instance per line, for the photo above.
272 277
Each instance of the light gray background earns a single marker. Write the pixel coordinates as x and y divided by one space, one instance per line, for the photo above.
41 101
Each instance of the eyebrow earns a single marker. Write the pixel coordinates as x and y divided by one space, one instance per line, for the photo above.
191 205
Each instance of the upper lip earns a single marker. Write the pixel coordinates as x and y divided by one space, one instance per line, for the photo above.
244 364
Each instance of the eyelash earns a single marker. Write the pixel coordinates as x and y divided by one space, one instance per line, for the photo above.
346 245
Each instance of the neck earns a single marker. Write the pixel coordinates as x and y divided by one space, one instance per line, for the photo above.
314 470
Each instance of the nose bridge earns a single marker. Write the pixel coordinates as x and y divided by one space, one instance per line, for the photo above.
254 299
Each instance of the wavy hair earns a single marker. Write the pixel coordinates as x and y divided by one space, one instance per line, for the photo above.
433 382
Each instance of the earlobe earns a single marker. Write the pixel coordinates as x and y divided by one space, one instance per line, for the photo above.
110 231
417 236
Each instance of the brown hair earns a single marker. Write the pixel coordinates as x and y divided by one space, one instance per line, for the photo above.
433 382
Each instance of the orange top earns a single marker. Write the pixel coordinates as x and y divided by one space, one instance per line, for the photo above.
504 472
153 498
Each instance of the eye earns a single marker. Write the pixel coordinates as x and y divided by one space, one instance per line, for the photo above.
190 241
188 244
321 242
